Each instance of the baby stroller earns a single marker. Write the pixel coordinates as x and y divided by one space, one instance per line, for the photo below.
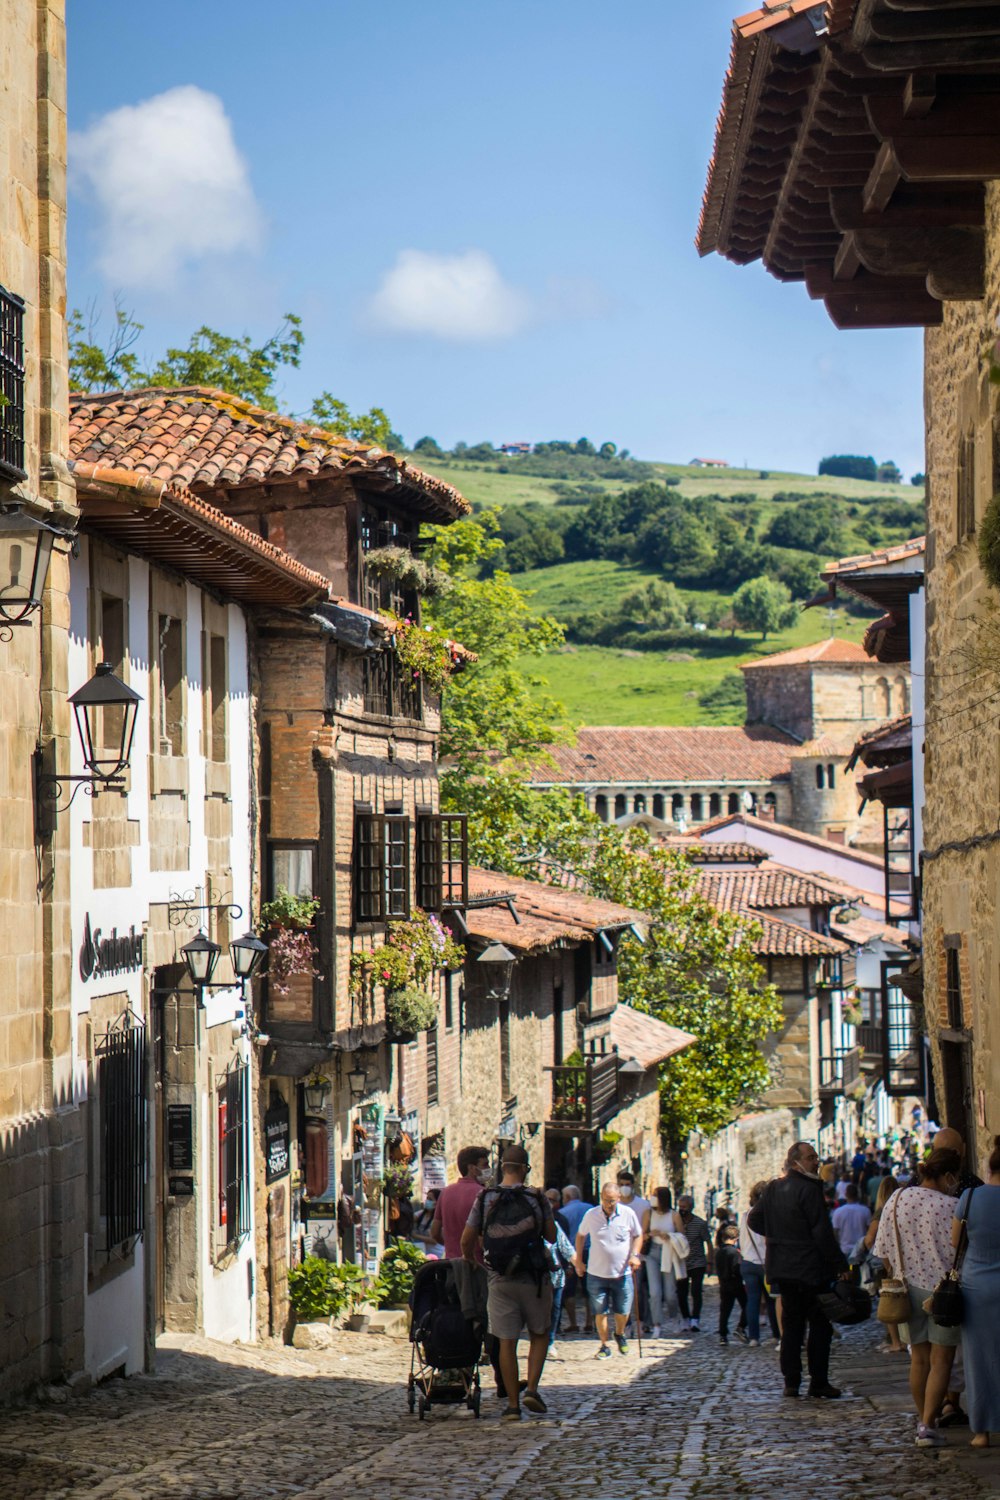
447 1346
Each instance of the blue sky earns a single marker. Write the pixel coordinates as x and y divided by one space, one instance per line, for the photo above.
483 212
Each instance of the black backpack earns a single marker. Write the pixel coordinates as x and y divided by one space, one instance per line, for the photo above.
519 1253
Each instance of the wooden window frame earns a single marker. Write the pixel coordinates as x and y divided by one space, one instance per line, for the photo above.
382 867
12 386
442 861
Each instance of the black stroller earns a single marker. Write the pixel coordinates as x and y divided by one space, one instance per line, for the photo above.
447 1347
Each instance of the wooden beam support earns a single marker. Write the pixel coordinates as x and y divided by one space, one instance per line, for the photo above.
950 21
883 179
969 115
911 207
934 158
892 312
953 257
847 261
942 56
820 283
919 95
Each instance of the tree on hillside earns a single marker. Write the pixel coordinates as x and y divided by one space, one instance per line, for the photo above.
429 447
658 606
918 479
218 360
494 722
848 466
812 526
764 604
889 472
696 970
607 450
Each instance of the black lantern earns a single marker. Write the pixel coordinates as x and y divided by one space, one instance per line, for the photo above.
105 709
201 956
499 970
357 1080
25 551
316 1091
630 1076
247 954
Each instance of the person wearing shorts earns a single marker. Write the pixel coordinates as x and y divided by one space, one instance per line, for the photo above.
615 1242
522 1300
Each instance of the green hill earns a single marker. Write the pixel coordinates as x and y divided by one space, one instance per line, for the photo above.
586 538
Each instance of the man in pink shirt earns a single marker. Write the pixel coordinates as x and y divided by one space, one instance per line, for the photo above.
455 1203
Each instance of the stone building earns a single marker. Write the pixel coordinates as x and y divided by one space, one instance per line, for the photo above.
844 159
789 761
42 1157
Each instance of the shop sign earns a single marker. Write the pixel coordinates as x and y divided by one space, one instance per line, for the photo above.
435 1173
277 1157
180 1148
102 954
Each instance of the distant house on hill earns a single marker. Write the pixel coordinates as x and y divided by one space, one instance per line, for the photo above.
515 450
708 463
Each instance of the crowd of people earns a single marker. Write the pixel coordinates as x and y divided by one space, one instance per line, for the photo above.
901 1213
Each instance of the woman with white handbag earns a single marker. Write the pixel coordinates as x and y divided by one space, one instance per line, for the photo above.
661 1226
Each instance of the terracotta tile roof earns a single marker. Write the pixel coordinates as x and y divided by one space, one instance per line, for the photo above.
780 939
824 744
549 915
773 887
883 557
664 755
171 526
204 439
645 1038
720 853
862 930
832 650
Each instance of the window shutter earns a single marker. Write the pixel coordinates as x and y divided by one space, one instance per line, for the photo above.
369 867
396 878
429 862
442 860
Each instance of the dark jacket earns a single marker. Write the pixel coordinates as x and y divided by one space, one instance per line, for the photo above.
801 1246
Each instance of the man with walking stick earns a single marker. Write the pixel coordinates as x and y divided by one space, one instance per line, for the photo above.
615 1242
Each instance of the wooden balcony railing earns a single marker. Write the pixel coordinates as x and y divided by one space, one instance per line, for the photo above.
584 1095
839 1071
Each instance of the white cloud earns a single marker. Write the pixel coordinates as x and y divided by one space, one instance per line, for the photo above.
462 298
169 184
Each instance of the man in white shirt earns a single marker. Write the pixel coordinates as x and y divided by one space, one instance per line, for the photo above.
850 1220
629 1198
615 1241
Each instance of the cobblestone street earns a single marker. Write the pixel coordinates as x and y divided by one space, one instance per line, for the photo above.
693 1419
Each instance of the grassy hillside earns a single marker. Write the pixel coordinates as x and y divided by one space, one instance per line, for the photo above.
698 682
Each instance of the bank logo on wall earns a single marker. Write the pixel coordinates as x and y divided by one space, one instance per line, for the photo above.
115 953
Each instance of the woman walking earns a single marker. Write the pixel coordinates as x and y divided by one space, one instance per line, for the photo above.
981 1297
752 1251
914 1239
886 1188
658 1223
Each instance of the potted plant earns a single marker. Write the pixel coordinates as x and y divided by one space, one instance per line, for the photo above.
407 570
604 1145
850 1011
289 920
408 1011
402 967
394 1283
321 1289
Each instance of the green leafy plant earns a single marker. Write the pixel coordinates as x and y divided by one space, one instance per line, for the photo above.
410 1009
287 910
412 952
604 1145
397 1181
424 651
406 569
291 949
321 1289
989 542
394 1282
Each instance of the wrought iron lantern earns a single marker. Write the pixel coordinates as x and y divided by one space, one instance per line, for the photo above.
247 953
630 1076
106 709
201 956
25 551
315 1092
357 1079
499 970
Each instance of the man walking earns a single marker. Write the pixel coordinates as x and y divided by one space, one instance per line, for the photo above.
513 1223
689 1290
801 1260
455 1202
574 1208
615 1241
850 1220
629 1198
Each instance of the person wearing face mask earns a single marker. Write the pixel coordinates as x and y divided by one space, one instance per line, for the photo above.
639 1206
914 1239
456 1200
801 1259
423 1221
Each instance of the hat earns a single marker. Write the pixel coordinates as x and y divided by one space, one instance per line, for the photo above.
514 1156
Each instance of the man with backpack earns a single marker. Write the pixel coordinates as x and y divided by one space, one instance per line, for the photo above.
515 1225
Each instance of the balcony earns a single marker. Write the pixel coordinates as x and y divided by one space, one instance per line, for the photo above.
584 1095
871 1039
839 1071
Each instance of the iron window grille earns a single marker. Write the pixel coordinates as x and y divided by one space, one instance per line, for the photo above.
387 690
381 867
442 848
234 1157
121 1090
953 989
966 483
432 1065
11 386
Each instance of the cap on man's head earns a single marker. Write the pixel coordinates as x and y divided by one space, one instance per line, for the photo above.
515 1156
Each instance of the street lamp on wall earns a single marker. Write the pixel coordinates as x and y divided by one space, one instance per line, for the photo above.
357 1079
630 1076
102 704
25 551
499 970
201 956
315 1092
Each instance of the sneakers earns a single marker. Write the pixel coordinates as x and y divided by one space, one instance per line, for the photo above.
753 1343
929 1437
791 1390
825 1392
741 1334
723 1339
694 1325
622 1343
603 1352
654 1332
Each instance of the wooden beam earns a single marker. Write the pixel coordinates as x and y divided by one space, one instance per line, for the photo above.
820 283
942 56
911 207
847 261
919 94
934 158
954 257
966 115
883 179
892 312
953 284
952 21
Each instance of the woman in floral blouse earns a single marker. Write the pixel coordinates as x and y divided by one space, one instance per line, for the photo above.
914 1238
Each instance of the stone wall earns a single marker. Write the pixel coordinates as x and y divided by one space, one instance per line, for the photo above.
724 1167
42 1158
962 767
809 699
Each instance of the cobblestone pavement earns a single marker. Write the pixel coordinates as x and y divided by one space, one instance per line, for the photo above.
691 1420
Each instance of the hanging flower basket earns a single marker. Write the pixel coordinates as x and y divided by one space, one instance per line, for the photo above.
290 951
410 1010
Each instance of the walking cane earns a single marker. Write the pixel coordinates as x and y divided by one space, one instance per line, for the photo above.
638 1319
